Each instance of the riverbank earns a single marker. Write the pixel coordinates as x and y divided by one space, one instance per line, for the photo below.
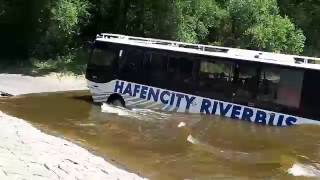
27 153
17 84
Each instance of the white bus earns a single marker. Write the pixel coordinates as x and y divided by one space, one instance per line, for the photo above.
245 85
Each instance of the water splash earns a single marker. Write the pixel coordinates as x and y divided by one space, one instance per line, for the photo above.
106 108
140 114
304 170
219 152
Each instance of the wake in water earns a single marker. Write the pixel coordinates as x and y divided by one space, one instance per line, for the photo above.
289 164
304 170
297 169
141 114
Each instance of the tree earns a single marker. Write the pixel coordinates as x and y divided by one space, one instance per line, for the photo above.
137 17
49 28
59 24
196 18
257 24
160 19
276 34
3 7
15 21
306 15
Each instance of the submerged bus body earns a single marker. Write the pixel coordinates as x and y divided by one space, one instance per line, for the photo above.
253 86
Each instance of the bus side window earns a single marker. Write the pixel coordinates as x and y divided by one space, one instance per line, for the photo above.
180 74
310 95
186 70
290 88
215 80
245 83
131 65
279 89
268 87
156 67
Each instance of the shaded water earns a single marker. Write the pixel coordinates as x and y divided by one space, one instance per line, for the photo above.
160 145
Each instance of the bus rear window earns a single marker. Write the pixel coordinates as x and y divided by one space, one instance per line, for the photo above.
103 57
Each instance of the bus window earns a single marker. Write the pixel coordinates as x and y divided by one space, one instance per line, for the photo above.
103 57
173 67
186 70
310 98
215 70
245 83
181 73
215 80
279 89
268 87
156 67
131 65
102 64
290 85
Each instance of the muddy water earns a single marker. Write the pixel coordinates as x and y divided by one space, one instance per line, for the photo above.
160 145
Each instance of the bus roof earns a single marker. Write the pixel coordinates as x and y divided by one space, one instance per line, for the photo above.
215 51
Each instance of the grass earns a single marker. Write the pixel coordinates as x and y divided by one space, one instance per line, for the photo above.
65 64
68 64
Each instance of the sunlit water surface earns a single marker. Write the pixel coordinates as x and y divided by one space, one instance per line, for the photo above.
162 145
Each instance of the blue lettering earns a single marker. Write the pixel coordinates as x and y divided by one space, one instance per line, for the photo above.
280 120
136 90
153 94
291 121
143 93
247 114
261 117
118 88
172 99
224 110
128 90
205 106
271 119
214 107
236 110
189 101
179 96
162 95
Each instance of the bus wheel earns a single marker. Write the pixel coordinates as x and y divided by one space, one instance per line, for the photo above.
116 100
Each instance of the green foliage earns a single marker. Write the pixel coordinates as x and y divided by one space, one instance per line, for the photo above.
72 63
3 8
137 17
245 13
196 18
70 15
160 19
49 29
256 24
61 25
276 34
306 15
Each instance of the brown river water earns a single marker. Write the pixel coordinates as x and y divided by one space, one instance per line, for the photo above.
173 146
